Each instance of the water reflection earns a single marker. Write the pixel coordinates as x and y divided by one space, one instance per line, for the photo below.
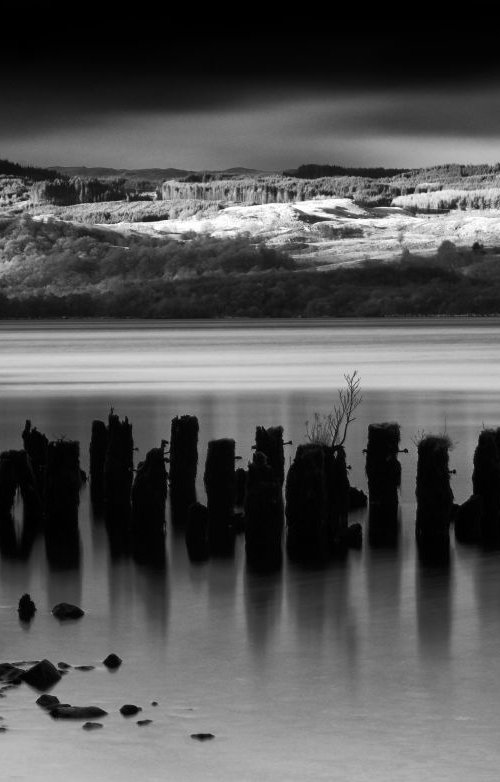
263 596
434 595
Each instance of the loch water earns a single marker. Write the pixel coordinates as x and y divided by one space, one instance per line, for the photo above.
370 669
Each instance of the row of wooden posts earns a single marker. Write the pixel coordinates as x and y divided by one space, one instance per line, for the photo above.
318 496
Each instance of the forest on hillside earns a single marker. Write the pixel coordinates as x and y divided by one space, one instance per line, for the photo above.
56 269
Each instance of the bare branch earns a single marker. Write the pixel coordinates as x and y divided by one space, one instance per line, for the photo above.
331 429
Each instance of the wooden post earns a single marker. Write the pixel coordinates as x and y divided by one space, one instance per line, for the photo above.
434 498
263 515
183 465
486 485
270 442
383 471
197 532
220 485
306 505
62 498
118 470
98 448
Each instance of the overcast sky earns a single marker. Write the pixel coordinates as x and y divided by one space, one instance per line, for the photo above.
130 90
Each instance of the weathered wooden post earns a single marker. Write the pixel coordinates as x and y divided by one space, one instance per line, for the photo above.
434 498
270 442
241 486
149 491
97 450
306 505
197 532
36 446
118 470
263 515
149 496
183 465
220 486
62 498
338 491
486 485
16 474
9 482
383 471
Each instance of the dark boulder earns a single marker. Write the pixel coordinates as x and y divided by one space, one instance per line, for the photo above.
67 611
65 712
112 661
128 710
42 676
202 736
26 608
47 701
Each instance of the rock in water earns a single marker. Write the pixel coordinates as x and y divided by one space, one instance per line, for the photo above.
67 611
144 722
47 701
64 712
202 736
42 676
26 608
92 725
129 709
112 661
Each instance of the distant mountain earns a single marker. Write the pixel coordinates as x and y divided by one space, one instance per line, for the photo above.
147 174
139 174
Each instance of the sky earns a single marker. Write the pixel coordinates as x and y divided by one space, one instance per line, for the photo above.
263 86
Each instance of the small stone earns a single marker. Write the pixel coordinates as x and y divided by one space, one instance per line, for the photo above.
67 611
92 725
3 728
65 712
129 709
202 736
154 703
84 667
144 722
112 661
47 701
26 608
42 676
63 666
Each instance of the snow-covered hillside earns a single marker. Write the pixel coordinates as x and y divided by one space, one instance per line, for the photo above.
331 231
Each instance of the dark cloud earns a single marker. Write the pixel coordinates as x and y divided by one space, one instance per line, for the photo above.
256 84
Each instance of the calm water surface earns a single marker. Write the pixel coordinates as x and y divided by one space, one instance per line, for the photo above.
371 670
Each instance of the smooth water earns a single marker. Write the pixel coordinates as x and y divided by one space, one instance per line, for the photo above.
373 669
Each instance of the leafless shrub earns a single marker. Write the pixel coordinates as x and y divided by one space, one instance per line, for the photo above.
331 429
